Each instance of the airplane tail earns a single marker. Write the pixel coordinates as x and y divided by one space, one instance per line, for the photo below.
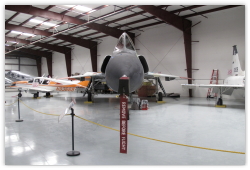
236 68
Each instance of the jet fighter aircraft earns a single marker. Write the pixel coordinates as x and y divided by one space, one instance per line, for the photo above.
231 83
125 62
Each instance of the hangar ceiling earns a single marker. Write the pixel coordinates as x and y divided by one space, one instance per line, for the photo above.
41 30
33 26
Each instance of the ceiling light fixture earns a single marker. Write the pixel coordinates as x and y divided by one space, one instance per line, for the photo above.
36 21
49 24
83 8
29 35
16 32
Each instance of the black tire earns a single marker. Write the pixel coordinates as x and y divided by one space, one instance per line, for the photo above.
35 95
89 96
160 96
47 94
220 102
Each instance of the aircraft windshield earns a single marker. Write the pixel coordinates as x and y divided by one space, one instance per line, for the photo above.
119 45
124 43
129 44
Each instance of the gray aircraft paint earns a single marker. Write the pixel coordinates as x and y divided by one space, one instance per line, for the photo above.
124 61
18 76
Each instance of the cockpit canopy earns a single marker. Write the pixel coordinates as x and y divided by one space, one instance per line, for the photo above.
124 44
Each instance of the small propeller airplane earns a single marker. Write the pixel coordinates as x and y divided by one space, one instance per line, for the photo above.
236 82
47 85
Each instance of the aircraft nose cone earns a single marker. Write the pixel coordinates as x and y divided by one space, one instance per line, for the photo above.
124 65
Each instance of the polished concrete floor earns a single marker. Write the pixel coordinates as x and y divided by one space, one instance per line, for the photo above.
41 140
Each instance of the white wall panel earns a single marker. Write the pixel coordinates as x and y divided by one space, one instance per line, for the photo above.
14 61
105 48
163 48
81 60
59 65
11 67
32 70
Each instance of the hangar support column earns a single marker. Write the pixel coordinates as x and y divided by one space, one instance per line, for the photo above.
68 62
188 51
39 66
49 64
93 55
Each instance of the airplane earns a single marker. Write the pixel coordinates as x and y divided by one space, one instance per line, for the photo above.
47 85
8 82
236 82
125 62
18 76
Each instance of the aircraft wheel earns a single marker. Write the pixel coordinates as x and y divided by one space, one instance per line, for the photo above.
47 94
89 96
220 102
160 96
35 95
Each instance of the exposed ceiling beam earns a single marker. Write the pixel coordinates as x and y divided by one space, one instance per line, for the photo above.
137 21
35 52
22 54
147 25
56 48
211 10
96 9
49 7
28 9
74 40
166 16
186 8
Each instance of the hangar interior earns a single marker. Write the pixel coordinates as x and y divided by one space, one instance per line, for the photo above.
57 40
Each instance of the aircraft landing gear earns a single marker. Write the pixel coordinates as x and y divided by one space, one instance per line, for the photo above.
159 96
47 94
36 95
90 97
220 102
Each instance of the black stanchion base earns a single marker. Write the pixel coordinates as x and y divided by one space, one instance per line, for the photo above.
73 153
19 120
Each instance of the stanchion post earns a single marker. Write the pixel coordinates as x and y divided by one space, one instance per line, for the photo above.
73 152
19 96
124 115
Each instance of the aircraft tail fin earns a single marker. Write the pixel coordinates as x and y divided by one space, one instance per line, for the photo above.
236 68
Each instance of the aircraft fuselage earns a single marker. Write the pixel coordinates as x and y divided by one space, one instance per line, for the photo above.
124 61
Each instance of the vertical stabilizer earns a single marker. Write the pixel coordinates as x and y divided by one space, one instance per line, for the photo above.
236 68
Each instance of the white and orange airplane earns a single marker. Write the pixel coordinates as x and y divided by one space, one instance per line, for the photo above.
47 85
